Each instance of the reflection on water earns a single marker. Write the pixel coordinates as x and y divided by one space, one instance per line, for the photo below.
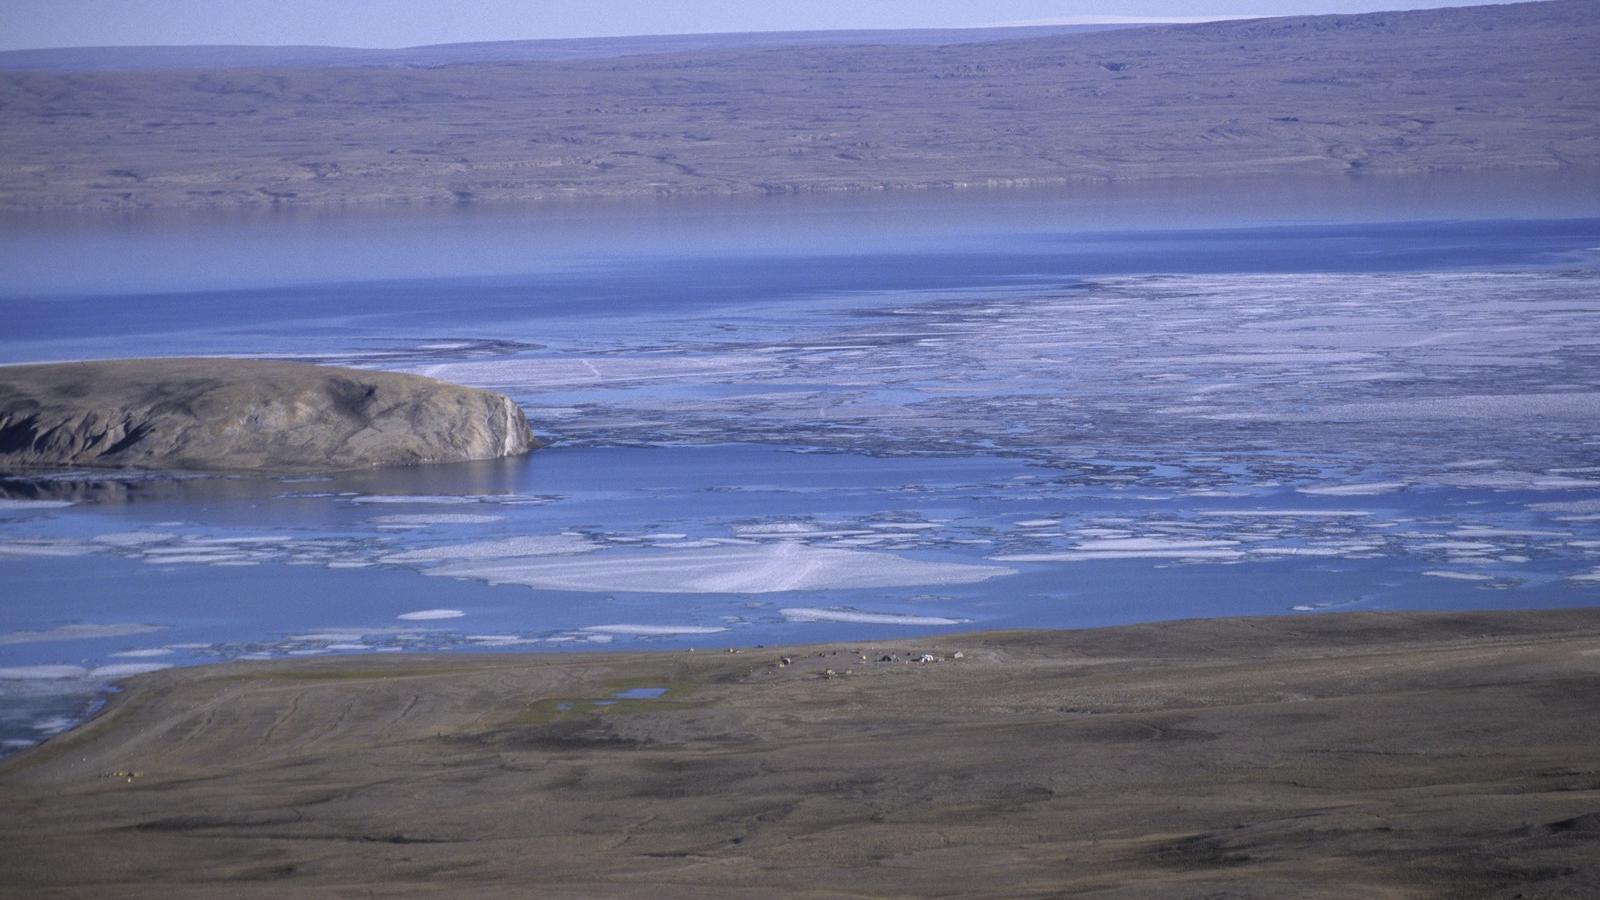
107 487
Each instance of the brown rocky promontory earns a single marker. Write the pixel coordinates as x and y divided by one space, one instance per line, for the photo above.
236 414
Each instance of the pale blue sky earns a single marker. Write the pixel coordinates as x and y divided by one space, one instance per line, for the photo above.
400 23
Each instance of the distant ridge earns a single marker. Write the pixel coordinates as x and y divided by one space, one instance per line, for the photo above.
230 56
1474 88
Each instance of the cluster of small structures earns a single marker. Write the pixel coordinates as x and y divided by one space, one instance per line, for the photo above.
867 657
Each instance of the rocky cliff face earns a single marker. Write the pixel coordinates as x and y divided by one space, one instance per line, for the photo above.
231 414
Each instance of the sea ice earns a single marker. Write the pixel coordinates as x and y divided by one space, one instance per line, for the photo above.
521 546
649 630
31 673
166 559
1568 506
244 539
127 670
436 500
437 519
1138 544
1090 555
27 548
133 538
1458 576
1517 481
768 568
1302 551
77 632
423 615
575 371
783 529
1287 513
815 614
1355 490
1576 407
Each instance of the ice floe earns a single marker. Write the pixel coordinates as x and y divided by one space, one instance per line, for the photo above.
1568 506
46 547
1515 481
859 617
437 519
1287 513
1369 489
30 673
1458 576
1091 555
521 546
78 632
1132 548
420 500
126 670
767 568
425 615
133 538
653 630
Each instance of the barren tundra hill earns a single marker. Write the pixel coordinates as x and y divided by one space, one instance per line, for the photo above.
1473 88
1390 755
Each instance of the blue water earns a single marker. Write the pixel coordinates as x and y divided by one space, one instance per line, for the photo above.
833 420
648 297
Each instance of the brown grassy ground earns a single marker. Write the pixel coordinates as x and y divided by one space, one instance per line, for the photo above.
1363 755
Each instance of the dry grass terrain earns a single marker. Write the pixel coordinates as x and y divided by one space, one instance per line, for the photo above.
1363 755
1472 88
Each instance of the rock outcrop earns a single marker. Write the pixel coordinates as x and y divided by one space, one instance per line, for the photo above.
234 414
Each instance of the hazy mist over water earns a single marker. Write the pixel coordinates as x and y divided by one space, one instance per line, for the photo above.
167 251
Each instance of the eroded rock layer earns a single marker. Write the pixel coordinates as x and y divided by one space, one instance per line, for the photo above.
246 414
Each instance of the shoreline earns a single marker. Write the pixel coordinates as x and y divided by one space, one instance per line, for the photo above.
824 196
1337 755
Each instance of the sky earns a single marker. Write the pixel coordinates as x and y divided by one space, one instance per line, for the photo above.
405 23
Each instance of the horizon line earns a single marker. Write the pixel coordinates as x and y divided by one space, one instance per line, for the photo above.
1025 23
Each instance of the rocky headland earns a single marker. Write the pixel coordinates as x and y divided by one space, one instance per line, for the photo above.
235 414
